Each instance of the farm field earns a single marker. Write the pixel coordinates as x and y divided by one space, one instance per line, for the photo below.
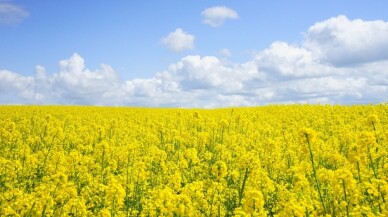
277 160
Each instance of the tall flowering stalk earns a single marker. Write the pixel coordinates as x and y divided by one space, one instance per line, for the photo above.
309 136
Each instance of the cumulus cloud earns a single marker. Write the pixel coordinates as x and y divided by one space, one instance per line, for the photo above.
216 16
179 40
11 14
281 73
341 41
76 82
13 84
73 84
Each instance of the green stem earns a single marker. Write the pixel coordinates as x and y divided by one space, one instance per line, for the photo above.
359 174
346 198
241 193
371 163
374 130
315 175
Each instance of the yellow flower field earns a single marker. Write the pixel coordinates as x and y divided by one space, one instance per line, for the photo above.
294 160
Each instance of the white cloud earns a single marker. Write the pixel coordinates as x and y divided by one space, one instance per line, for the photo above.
179 40
286 60
216 16
11 14
11 82
282 73
76 82
73 84
210 73
341 41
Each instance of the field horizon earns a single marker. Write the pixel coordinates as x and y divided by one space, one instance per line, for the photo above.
198 108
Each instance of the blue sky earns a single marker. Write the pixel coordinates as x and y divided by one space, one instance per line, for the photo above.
164 53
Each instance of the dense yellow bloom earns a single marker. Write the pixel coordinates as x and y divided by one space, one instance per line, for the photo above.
307 134
295 160
373 119
254 202
367 138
